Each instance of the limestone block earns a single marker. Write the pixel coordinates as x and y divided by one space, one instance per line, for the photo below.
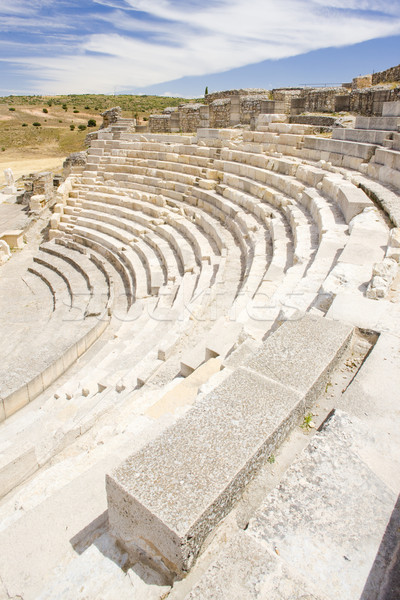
391 109
301 353
365 136
37 202
5 252
383 274
345 277
15 469
265 119
192 487
246 570
352 200
331 146
388 158
393 250
222 338
388 123
192 359
309 175
13 237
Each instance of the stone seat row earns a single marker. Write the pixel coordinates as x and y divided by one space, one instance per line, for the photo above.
289 169
316 275
55 347
298 188
207 196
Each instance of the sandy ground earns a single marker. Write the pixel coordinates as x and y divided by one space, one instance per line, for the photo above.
26 165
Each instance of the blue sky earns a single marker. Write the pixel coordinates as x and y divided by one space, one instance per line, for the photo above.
177 47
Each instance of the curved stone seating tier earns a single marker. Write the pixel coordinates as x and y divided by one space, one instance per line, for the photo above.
44 348
152 215
250 171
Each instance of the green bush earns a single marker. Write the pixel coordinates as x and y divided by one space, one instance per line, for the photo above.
72 127
76 111
49 103
65 107
12 109
45 110
87 107
91 123
37 124
24 124
82 127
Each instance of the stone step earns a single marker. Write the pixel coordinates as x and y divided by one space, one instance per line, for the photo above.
386 123
318 533
365 136
199 467
356 149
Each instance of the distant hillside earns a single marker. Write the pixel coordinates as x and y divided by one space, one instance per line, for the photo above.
57 125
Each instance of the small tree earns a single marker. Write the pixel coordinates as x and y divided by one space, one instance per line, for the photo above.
82 127
37 124
206 90
72 127
65 107
12 109
91 123
45 110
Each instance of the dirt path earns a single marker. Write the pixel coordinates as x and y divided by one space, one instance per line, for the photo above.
26 165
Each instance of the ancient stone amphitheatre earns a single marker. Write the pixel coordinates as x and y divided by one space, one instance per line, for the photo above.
200 383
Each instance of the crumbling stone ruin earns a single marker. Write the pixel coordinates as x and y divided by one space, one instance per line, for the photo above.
201 400
234 107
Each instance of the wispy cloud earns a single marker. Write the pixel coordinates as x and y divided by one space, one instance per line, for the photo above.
136 43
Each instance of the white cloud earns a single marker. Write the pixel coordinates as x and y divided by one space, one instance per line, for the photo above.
168 40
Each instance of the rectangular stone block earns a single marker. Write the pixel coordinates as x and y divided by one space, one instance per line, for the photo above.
302 353
16 470
391 109
14 238
365 136
166 499
222 337
388 123
356 149
352 201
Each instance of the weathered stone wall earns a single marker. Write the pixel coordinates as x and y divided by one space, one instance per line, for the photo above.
160 123
360 83
190 118
220 113
38 185
284 97
369 102
251 106
323 99
392 74
228 93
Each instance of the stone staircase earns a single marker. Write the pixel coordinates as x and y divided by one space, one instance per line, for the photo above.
235 271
